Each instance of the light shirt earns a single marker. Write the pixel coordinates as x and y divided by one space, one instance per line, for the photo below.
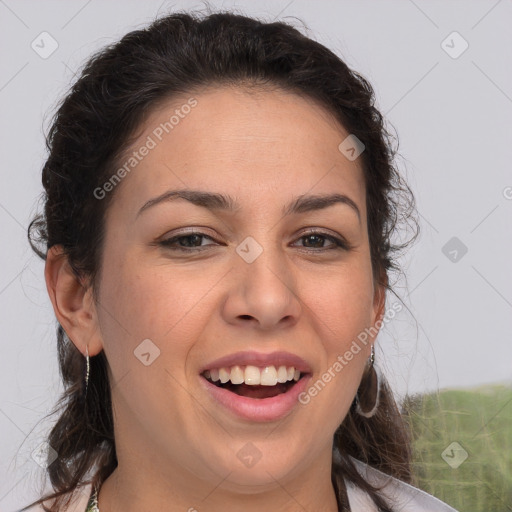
400 496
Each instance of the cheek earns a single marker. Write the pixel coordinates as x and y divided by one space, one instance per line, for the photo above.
342 304
149 304
139 302
139 299
343 312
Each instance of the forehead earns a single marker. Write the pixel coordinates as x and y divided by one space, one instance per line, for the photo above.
253 144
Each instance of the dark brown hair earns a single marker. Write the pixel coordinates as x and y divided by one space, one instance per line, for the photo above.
99 118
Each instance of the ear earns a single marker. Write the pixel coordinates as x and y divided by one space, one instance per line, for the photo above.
379 298
72 302
379 305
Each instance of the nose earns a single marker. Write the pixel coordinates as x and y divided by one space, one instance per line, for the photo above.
264 291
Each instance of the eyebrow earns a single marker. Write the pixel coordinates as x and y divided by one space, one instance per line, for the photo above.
216 201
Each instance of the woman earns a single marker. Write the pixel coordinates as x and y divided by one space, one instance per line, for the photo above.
220 200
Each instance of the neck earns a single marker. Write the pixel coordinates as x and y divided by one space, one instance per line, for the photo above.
139 487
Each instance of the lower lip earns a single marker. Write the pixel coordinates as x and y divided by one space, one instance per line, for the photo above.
258 409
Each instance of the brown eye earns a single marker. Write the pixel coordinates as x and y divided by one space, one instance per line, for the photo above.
187 242
316 241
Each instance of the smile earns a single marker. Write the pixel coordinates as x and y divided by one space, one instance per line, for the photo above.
256 393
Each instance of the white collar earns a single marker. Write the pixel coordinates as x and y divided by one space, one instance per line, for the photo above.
400 496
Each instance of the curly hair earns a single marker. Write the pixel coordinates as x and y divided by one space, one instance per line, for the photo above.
95 123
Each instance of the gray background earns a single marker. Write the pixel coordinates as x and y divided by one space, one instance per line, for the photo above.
453 117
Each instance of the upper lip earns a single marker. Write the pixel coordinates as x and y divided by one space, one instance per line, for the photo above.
259 359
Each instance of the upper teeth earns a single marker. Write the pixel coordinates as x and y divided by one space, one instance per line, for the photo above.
253 375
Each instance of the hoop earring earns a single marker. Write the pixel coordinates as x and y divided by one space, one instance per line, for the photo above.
87 370
368 394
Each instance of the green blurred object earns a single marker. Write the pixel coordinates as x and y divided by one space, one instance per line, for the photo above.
462 446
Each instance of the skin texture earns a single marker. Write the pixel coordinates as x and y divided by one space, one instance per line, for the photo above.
177 448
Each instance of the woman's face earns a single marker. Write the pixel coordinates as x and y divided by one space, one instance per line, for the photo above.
251 280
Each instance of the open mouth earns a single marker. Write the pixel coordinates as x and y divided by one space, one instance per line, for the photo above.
257 394
257 391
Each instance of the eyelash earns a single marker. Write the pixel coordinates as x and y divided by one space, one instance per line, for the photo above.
339 243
